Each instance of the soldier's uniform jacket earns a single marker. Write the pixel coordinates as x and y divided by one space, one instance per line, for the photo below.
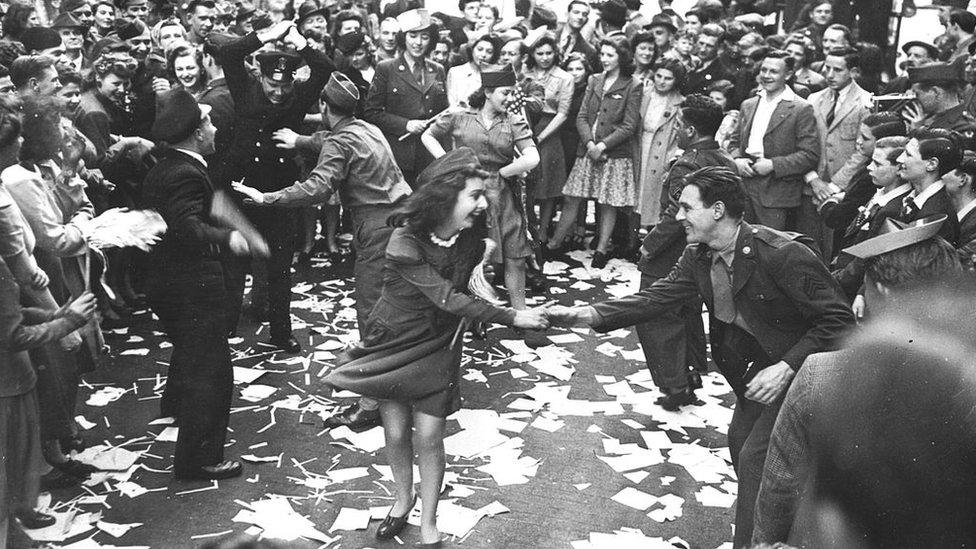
781 288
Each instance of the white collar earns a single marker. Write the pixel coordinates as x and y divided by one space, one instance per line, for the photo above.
922 197
844 93
966 209
882 198
195 155
787 95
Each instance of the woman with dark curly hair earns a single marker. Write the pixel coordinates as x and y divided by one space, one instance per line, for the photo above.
19 17
463 80
185 66
607 122
410 355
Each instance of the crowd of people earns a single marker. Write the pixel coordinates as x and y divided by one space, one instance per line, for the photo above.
817 176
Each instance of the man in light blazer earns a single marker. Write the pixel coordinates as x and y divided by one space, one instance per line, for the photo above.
776 144
840 110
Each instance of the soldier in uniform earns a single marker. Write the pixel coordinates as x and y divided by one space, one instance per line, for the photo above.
356 161
408 91
772 304
264 104
937 88
676 340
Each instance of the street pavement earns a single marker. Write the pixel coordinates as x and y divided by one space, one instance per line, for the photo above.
562 447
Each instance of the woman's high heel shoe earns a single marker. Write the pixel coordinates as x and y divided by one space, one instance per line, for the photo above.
391 526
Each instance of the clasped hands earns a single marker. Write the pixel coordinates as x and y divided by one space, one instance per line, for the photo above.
550 314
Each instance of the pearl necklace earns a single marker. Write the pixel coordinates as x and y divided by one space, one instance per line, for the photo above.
444 243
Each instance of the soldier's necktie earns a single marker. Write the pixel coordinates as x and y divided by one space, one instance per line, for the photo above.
418 74
723 305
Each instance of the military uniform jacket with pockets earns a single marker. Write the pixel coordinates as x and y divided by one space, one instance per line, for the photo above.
781 289
396 97
666 241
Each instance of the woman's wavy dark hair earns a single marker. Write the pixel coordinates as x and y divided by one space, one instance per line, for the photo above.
496 47
15 20
625 54
185 50
428 207
677 70
430 204
547 40
41 120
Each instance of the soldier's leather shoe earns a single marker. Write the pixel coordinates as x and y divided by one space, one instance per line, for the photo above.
290 345
355 418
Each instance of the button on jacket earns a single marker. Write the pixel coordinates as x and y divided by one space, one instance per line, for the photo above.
780 287
252 152
610 117
396 97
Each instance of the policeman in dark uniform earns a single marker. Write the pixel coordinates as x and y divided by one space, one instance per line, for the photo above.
264 104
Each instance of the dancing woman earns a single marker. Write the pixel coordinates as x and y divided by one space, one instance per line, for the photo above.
409 358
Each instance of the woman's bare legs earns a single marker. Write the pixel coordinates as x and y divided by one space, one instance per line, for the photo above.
515 282
430 452
566 221
608 218
398 429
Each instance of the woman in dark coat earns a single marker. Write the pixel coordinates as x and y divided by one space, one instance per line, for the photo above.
410 355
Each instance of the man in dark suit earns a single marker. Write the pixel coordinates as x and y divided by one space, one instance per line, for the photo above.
776 143
186 287
929 155
959 185
886 202
711 70
263 105
570 38
675 340
408 93
772 303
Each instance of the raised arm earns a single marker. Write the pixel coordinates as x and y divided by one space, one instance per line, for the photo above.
233 54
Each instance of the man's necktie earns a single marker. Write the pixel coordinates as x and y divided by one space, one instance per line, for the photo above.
908 208
833 108
863 218
723 306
